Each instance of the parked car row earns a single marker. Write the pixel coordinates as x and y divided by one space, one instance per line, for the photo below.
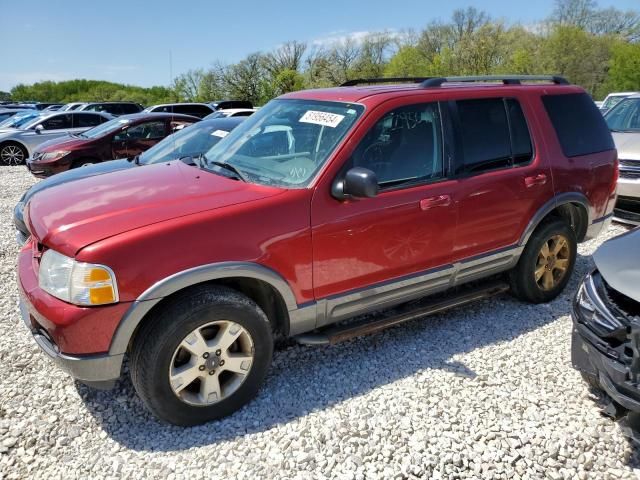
22 131
321 206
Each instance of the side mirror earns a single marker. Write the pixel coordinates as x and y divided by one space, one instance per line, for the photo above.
358 182
38 129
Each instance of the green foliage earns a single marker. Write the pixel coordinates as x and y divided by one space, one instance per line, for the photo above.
624 67
5 96
90 90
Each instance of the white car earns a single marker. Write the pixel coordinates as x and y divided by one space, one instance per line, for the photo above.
612 100
19 141
200 110
232 112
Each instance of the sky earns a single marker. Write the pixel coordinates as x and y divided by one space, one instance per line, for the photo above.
131 42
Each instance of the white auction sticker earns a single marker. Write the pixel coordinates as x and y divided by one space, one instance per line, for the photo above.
322 118
220 133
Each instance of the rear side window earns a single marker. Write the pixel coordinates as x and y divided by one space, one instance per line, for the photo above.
580 127
129 108
492 134
81 120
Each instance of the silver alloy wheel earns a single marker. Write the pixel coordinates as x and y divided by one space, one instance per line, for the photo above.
12 155
211 363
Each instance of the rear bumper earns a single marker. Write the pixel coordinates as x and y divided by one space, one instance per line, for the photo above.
598 226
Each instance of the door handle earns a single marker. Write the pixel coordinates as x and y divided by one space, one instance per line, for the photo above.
439 201
534 180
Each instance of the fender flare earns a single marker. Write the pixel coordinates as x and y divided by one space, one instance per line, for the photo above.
549 206
186 278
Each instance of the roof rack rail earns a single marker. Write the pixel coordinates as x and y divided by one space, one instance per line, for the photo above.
369 81
505 79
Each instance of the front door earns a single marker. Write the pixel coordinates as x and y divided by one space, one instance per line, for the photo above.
377 251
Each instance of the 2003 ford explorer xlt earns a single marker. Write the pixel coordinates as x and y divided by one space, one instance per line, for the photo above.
323 205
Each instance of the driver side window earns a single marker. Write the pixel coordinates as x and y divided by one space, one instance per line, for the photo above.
404 146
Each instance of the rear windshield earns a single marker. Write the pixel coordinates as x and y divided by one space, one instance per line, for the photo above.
580 127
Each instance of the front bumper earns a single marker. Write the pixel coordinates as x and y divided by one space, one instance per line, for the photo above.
44 170
628 210
97 371
606 346
75 338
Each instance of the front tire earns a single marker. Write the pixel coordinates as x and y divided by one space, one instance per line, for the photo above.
546 264
202 356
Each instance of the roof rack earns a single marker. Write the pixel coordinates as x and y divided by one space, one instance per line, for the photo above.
505 79
369 81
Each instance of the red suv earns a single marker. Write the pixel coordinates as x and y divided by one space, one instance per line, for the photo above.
323 205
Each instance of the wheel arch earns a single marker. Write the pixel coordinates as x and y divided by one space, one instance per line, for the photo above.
573 207
264 286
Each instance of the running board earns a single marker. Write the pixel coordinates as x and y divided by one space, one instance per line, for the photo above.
335 334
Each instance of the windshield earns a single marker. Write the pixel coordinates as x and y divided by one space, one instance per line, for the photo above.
188 142
19 119
286 142
612 100
105 128
625 116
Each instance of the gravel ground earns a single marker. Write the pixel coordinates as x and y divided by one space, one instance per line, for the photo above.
487 392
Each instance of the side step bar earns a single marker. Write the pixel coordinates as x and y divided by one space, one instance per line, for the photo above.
335 334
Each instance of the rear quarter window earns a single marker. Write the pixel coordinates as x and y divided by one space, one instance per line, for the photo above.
580 126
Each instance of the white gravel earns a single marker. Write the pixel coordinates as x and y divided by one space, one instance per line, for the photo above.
486 392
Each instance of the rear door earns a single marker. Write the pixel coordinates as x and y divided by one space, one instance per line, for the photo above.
502 174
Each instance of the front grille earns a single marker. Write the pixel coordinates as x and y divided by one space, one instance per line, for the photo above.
619 303
630 163
629 174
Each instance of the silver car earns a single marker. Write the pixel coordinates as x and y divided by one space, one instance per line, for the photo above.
624 123
20 139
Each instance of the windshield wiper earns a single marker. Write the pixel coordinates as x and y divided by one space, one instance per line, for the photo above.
227 166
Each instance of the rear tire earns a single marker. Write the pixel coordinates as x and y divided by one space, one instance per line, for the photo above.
13 154
546 264
177 381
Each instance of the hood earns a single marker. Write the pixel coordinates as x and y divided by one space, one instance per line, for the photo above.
66 142
618 260
628 145
8 131
77 174
73 215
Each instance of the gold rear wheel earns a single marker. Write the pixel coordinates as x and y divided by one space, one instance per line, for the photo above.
553 262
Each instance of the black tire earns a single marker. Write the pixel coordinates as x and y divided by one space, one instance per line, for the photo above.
522 278
13 147
157 340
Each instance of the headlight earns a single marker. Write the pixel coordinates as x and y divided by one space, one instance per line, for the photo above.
75 282
50 156
584 301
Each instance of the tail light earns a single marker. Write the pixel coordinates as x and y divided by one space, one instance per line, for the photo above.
616 174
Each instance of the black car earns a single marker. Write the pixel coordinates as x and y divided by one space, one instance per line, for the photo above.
114 108
606 324
185 144
226 104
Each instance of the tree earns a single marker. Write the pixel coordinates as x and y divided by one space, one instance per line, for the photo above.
5 96
409 61
246 80
624 68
